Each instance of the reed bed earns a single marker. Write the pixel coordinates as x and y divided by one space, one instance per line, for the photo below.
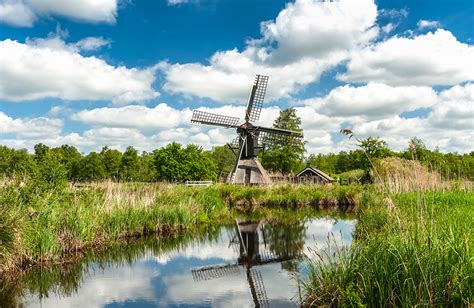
397 175
418 254
41 226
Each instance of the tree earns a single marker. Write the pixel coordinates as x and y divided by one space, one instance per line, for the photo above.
91 168
146 168
40 151
283 156
223 158
129 164
374 148
70 158
112 160
174 163
16 162
52 173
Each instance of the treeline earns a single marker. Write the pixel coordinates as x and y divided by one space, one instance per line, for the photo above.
170 163
177 163
448 165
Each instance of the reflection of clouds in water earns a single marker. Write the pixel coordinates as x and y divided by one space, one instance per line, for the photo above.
202 251
117 284
227 291
319 231
166 279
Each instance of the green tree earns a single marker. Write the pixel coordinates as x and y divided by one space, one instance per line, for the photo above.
112 160
146 168
175 163
70 158
223 158
284 156
129 164
40 151
16 162
52 173
374 148
91 168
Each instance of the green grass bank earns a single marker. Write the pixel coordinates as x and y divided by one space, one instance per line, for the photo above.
39 225
418 253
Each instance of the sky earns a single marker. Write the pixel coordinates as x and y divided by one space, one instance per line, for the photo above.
115 73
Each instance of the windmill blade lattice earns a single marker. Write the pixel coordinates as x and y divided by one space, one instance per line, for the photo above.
268 139
208 118
255 105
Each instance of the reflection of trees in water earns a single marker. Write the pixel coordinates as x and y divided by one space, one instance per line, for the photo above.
285 238
65 279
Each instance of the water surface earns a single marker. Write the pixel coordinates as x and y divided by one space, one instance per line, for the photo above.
244 264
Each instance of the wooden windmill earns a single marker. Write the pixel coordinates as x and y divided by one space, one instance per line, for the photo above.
247 169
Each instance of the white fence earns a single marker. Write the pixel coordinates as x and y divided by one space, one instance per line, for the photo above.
198 183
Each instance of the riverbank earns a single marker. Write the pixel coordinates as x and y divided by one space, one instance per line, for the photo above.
418 252
39 226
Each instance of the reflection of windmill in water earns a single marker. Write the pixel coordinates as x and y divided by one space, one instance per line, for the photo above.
245 239
247 169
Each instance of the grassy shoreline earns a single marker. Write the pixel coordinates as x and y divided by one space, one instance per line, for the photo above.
418 253
40 226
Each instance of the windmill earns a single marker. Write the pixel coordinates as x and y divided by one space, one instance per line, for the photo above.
250 138
246 240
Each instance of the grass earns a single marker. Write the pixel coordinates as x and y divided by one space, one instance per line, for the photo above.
419 253
40 226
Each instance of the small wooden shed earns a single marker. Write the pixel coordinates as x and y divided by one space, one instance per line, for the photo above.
312 175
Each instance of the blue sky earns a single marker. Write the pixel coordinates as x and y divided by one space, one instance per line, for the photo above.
130 72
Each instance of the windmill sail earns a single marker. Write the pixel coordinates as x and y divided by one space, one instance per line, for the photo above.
208 118
257 95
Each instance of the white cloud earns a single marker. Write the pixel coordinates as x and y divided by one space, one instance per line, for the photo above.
374 100
388 28
307 38
16 13
92 43
43 68
161 116
23 13
30 128
455 109
424 24
430 59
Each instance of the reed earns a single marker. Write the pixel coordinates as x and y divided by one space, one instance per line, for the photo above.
417 254
398 175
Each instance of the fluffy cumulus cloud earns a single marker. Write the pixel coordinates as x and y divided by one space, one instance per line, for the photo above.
430 59
449 125
307 38
44 68
23 13
374 100
30 128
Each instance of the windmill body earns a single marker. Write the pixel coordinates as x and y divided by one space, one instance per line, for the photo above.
250 139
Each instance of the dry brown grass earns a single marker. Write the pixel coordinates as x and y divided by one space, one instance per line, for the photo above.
400 175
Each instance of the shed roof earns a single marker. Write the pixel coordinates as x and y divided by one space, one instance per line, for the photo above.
317 172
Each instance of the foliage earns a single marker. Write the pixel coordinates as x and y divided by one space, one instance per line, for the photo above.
175 163
283 156
51 173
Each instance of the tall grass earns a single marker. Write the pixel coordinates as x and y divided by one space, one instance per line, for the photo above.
40 226
400 175
418 254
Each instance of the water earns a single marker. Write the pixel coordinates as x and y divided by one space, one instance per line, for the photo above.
240 265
